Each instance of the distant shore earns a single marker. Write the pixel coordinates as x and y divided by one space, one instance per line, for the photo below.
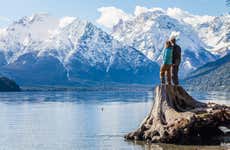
126 87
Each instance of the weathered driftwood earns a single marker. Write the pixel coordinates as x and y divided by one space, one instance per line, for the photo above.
178 118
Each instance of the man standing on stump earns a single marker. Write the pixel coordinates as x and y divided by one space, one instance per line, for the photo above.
176 60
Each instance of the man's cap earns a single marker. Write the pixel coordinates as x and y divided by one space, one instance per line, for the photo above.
174 35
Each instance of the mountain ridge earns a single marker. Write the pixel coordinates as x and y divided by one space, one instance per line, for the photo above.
49 50
75 53
214 76
148 30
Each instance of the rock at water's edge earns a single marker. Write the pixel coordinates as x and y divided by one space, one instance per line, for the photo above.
178 118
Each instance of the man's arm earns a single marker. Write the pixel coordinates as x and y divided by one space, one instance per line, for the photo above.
179 55
174 58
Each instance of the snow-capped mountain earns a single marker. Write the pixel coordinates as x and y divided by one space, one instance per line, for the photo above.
42 49
148 30
214 31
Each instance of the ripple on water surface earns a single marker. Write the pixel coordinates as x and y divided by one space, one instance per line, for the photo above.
80 120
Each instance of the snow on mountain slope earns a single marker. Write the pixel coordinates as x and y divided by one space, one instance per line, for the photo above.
216 34
214 31
28 34
148 30
42 49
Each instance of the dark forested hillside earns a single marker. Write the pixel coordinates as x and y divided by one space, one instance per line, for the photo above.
8 85
212 76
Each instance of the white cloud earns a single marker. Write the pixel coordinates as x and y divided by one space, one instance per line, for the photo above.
188 17
3 22
4 19
139 10
110 16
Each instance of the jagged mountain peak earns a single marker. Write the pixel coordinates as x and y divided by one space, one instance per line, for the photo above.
149 30
69 50
34 18
39 17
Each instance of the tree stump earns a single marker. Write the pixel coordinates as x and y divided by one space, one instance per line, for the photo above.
178 118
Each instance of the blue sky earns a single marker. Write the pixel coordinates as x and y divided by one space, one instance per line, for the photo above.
11 10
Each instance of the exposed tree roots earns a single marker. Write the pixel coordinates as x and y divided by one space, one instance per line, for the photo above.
178 118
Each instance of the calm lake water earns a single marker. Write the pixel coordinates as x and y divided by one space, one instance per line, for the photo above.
81 120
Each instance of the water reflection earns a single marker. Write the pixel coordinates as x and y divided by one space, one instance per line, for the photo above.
216 97
76 120
145 146
77 96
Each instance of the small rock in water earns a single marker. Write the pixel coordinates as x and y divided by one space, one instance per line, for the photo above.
225 130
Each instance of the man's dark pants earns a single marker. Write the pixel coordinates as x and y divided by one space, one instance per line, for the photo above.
175 69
